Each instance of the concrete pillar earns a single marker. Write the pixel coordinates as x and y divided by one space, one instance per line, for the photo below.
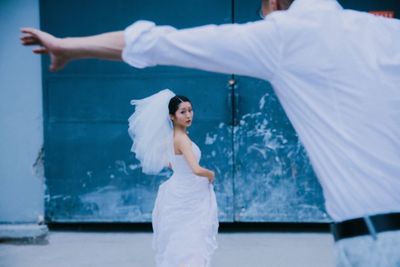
21 124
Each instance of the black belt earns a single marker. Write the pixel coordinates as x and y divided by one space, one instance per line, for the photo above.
370 225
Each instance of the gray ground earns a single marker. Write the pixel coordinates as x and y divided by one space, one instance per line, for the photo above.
88 249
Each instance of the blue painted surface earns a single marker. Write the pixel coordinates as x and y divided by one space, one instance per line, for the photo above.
21 134
274 181
91 173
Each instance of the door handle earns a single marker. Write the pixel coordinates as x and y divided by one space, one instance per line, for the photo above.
233 101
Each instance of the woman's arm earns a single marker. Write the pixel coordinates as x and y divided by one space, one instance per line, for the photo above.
185 146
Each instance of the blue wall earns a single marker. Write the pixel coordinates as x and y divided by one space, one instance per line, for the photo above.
21 119
262 171
21 138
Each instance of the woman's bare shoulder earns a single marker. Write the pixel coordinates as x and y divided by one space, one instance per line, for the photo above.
181 140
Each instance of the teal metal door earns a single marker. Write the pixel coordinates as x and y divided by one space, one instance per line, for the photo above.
273 180
91 175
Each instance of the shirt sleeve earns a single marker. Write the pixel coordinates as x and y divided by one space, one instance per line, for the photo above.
250 49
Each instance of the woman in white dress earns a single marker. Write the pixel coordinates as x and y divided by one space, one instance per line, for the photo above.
185 217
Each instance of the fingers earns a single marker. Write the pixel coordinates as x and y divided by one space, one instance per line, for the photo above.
30 31
54 68
56 64
30 36
30 40
40 50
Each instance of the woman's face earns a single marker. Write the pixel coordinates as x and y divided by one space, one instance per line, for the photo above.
184 115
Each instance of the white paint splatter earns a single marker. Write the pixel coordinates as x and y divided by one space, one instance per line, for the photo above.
262 101
210 139
134 166
121 166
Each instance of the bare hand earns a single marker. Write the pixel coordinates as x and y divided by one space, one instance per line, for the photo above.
211 178
48 44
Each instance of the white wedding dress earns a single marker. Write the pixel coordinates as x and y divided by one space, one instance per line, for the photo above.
185 218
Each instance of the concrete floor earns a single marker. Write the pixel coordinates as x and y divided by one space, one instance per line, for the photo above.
105 249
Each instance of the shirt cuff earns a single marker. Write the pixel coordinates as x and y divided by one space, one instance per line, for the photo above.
137 43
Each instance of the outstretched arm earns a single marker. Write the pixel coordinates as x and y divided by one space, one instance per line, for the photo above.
62 50
250 49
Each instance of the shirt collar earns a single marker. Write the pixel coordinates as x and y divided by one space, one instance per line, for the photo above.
298 5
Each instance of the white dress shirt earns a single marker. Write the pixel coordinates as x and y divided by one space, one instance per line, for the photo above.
336 73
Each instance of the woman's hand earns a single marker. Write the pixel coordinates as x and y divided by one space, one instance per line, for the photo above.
211 177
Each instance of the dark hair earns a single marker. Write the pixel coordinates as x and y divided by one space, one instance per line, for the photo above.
175 101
